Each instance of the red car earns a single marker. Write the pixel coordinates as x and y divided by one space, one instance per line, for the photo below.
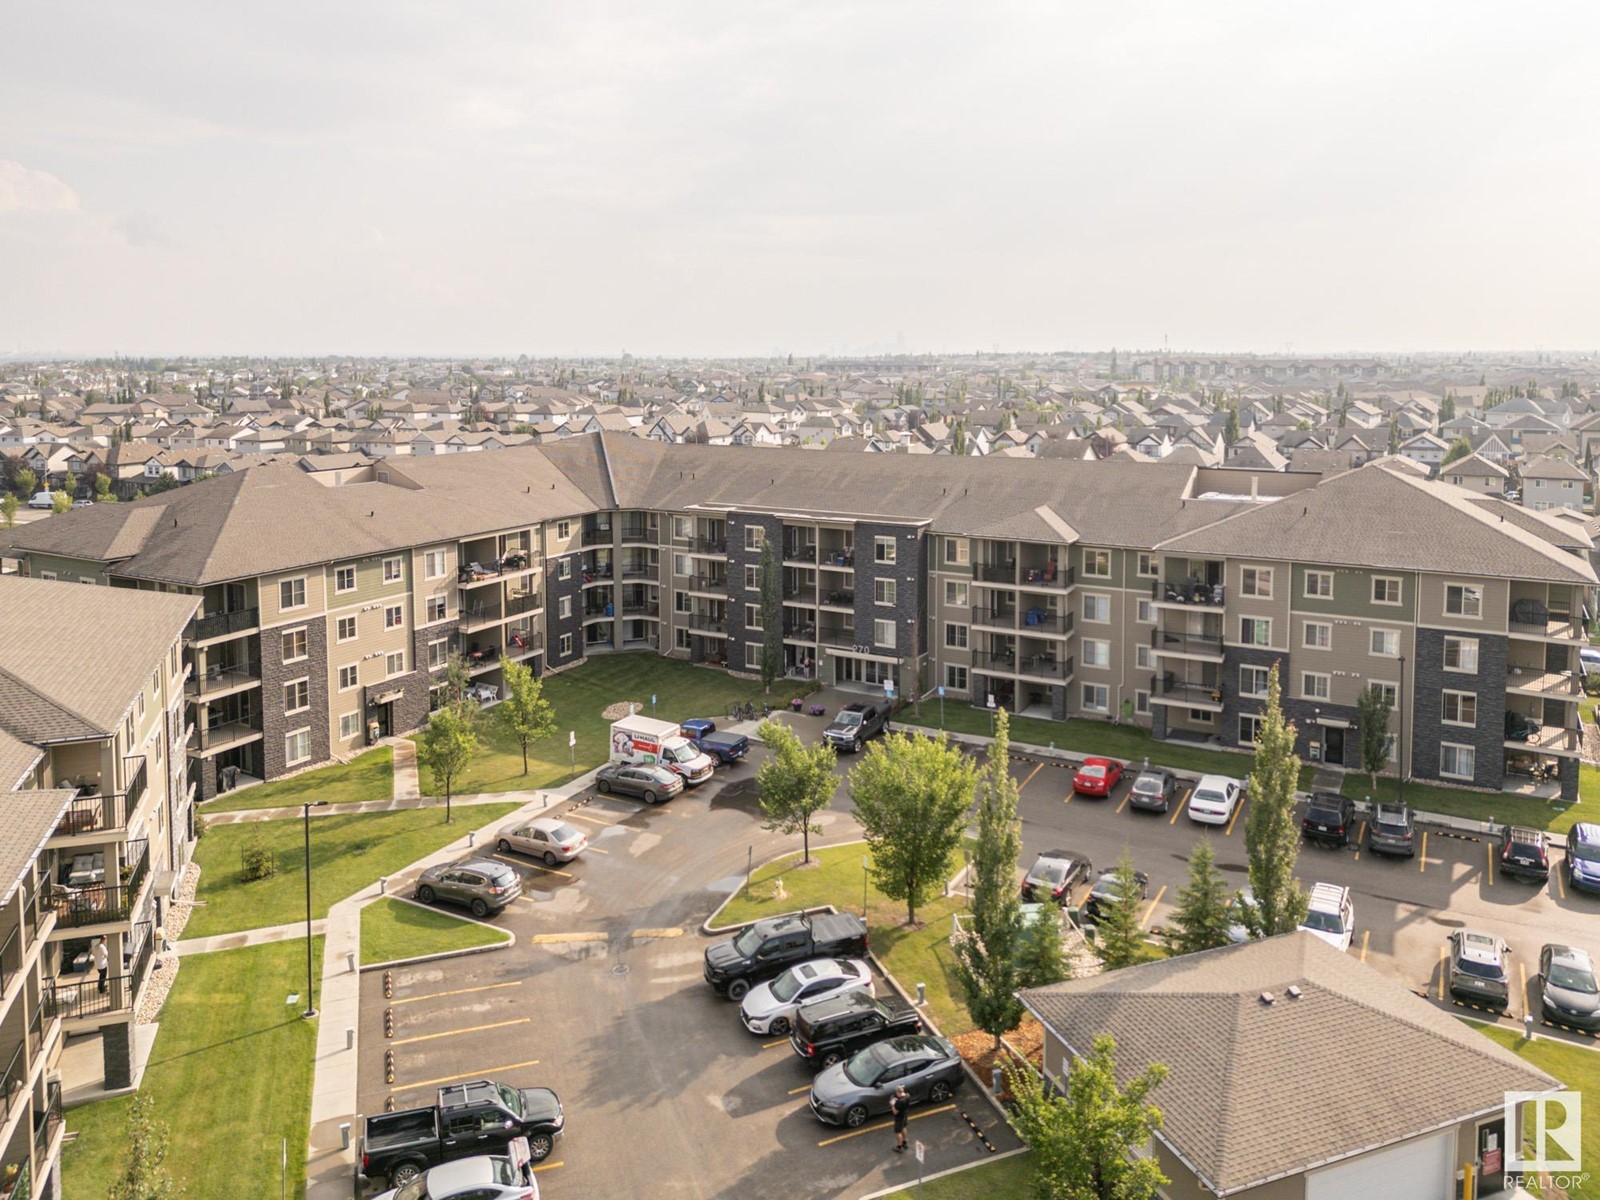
1097 776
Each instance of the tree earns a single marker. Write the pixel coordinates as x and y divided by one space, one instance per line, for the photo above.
524 712
1394 436
1084 1140
1271 836
24 479
1120 931
986 952
912 794
165 482
8 510
1201 921
457 679
102 489
794 783
1040 960
1459 448
446 747
60 502
144 1173
1447 409
768 580
1373 708
1230 427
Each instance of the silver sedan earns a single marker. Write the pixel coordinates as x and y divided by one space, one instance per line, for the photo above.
548 838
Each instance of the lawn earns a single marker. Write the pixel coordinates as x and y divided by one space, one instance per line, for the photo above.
1553 815
230 1075
347 853
1004 1179
368 776
1578 1068
682 690
395 929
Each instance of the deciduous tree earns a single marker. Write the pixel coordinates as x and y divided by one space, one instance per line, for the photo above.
524 712
1373 709
795 782
144 1157
446 747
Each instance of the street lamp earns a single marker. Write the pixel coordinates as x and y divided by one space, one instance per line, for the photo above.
305 818
866 861
1402 699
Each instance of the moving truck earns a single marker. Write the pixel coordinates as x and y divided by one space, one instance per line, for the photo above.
646 740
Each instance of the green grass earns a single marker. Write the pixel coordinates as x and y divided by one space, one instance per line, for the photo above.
1005 1179
230 1075
395 929
682 690
347 853
369 776
1553 815
1577 1068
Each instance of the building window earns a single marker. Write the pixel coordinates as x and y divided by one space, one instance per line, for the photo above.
752 654
1461 654
438 653
563 530
1141 657
883 634
1457 762
955 677
1385 642
394 664
681 529
564 568
1463 600
1386 589
1319 585
1096 652
956 551
752 616
344 629
1257 582
296 695
955 594
883 549
344 579
297 747
1149 565
955 636
1255 631
1097 564
349 725
1096 607
1147 611
681 565
883 591
1459 708
753 536
349 677
1253 681
438 608
1249 729
1096 697
294 644
1314 685
394 616
1141 703
292 593
433 564
564 607
1318 635
566 642
752 578
682 603
393 570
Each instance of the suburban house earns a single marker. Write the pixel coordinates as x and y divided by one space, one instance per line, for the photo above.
1477 474
1550 482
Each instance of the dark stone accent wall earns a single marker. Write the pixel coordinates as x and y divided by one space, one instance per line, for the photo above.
555 588
1303 713
1234 657
1569 779
274 673
411 710
1158 722
1429 680
420 637
739 636
909 609
1058 702
116 1049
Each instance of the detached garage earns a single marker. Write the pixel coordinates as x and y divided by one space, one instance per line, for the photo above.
1295 1072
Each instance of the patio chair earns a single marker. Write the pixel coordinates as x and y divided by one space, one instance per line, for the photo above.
1530 612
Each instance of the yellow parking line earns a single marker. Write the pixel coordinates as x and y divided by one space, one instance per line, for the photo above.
487 987
1444 954
1068 798
779 1042
1125 800
591 820
1561 888
1523 968
878 1128
1422 859
1234 820
595 850
657 933
1366 936
430 1037
798 1090
1151 907
1178 812
550 1166
549 870
556 939
1037 767
1361 836
486 1073
1489 846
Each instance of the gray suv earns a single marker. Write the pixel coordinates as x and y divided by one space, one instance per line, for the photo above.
853 724
480 886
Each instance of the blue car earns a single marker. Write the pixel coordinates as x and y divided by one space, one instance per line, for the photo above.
1583 858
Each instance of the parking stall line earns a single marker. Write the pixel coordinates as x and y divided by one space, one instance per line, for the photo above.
1489 847
771 1045
550 1166
1151 907
487 987
798 1090
1183 802
1522 969
486 1073
1366 936
1361 837
882 1125
1444 955
1037 767
1422 858
1125 800
1561 888
432 1037
532 866
1234 820
1067 799
592 820
595 850
657 933
556 939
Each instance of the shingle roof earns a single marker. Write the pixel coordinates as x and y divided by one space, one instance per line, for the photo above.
31 817
1259 1091
1550 467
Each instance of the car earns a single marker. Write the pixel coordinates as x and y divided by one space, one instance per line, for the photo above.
1055 873
1476 968
769 1007
1097 776
549 838
854 724
1524 854
1240 911
830 1030
651 784
1214 799
83 504
43 500
1568 993
1153 790
852 1092
482 886
1331 915
1329 818
1107 891
1583 857
1520 727
1392 831
484 1177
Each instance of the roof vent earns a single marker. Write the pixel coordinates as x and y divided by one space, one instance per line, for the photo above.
1294 993
1268 998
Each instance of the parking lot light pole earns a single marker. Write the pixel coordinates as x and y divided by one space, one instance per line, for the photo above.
866 861
305 818
1401 764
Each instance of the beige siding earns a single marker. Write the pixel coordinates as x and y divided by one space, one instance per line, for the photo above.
271 592
1431 599
1275 608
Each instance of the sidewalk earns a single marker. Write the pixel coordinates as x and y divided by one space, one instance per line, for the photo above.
398 804
246 937
406 785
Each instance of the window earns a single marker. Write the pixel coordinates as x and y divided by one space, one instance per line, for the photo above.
1096 607
1147 611
1249 729
394 616
752 654
1463 600
681 565
394 570
294 644
349 725
682 603
349 677
1459 708
1385 589
883 549
564 607
1141 703
1257 582
883 591
956 551
1457 762
563 530
1253 681
438 653
1314 685
1318 635
344 579
344 629
1255 631
752 578
1097 564
438 608
1389 693
433 564
1385 642
681 529
955 594
564 568
1461 654
1149 565
566 642
1096 652
1096 697
753 535
297 747
292 593
394 664
955 678
955 636
296 695
752 616
883 634
138 705
1141 657
1319 585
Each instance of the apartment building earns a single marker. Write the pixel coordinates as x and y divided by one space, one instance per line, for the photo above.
97 826
1157 593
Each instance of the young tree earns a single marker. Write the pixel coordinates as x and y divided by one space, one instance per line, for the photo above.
768 580
1040 959
144 1172
1120 935
1201 920
102 489
25 481
794 782
1459 448
1084 1141
912 794
524 712
457 679
60 502
446 747
1271 837
8 510
986 952
1373 709
1394 436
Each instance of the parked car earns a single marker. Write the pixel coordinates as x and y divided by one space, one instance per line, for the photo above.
854 724
1331 915
484 1177
1214 799
549 838
1568 993
1153 790
1525 854
724 748
43 500
650 783
1583 857
850 1093
1392 831
1329 819
770 1007
480 885
1520 727
830 1030
1097 776
1054 874
1107 891
83 504
1240 911
771 946
465 1119
1476 970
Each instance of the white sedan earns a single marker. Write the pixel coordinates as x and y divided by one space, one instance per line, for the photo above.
543 837
769 1007
1214 799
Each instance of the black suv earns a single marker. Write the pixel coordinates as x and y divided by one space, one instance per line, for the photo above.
1328 819
831 1030
853 724
1525 854
1393 831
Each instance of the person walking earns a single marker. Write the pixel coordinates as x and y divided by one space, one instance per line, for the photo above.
900 1106
102 960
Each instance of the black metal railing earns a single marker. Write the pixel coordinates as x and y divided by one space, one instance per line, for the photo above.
840 598
1049 575
801 591
849 638
240 620
597 535
984 614
1186 689
1045 666
639 533
87 997
708 583
641 608
48 1119
220 678
518 605
96 812
803 631
520 644
708 624
1204 595
1186 643
806 553
995 572
12 1094
638 570
838 560
710 545
11 952
212 736
480 615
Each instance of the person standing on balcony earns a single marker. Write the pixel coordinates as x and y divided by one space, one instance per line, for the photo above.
102 960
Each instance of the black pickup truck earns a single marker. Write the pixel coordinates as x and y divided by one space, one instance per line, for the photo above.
481 1117
769 947
830 1030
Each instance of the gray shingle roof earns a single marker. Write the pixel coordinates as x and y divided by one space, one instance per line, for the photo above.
31 817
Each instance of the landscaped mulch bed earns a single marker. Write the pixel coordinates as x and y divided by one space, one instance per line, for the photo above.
977 1048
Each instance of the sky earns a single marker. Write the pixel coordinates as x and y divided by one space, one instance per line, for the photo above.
746 178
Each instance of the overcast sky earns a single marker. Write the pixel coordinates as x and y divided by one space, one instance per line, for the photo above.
730 178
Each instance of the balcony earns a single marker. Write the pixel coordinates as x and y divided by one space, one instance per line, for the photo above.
1190 593
1048 575
518 605
995 572
11 955
1204 646
102 903
800 631
705 623
599 573
480 616
476 574
805 593
523 643
1185 693
641 608
47 1121
225 624
637 534
839 598
985 615
1045 666
849 639
1561 741
13 1095
1535 619
597 535
221 680
639 570
75 999
716 585
91 812
215 738
800 555
1533 681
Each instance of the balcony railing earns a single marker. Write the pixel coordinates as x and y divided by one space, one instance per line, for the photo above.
851 639
102 902
11 952
983 614
840 598
476 617
801 591
48 1119
1549 683
1049 575
708 583
710 545
12 1094
708 624
805 554
1186 689
1204 595
240 620
220 679
1186 643
995 572
92 812
641 608
639 533
640 570
518 605
597 535
218 737
1045 666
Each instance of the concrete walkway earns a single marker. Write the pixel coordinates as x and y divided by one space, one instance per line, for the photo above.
246 937
406 784
398 804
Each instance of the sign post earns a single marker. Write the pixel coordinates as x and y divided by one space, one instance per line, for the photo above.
652 704
921 1153
941 706
991 714
572 751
